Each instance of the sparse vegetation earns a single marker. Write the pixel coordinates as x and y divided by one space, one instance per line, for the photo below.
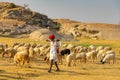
11 5
58 25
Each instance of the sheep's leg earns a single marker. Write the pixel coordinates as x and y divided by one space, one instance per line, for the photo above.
22 63
47 60
114 60
84 60
69 64
109 61
28 62
74 63
3 53
16 63
93 58
81 60
61 57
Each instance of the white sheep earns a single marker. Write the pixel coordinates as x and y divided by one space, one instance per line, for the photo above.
92 55
108 56
10 52
102 52
100 48
78 48
83 49
71 47
81 56
44 52
64 46
108 48
21 57
91 47
71 57
37 52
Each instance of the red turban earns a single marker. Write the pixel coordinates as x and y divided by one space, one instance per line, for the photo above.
51 36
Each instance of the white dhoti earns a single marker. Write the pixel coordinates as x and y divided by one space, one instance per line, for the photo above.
53 52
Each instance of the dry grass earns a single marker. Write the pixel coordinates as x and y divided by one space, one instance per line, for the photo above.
38 70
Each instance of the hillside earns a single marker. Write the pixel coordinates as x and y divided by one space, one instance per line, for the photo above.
89 30
16 20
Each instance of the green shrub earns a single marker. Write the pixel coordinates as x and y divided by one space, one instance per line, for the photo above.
11 5
58 25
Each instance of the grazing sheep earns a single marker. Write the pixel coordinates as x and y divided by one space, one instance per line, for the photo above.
44 52
34 45
91 47
37 52
81 56
91 55
10 52
83 49
109 55
102 52
16 47
100 48
14 44
78 48
21 57
71 47
108 48
71 57
64 46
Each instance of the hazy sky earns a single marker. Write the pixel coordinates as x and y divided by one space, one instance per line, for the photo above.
101 11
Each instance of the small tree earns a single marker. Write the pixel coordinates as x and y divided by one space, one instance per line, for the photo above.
58 25
11 5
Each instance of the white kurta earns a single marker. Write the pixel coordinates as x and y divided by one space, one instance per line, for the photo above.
53 51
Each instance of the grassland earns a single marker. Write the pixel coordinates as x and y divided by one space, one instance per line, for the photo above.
38 70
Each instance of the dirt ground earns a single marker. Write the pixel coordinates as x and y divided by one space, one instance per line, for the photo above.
39 68
38 71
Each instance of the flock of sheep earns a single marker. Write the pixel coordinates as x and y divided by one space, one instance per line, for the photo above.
24 52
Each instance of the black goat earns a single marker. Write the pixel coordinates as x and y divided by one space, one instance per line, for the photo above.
65 51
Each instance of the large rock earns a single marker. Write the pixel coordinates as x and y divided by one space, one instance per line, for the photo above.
43 34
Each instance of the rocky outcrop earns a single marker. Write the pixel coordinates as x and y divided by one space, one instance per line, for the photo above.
89 30
43 34
16 20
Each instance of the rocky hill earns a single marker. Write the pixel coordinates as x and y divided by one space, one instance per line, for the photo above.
89 30
16 20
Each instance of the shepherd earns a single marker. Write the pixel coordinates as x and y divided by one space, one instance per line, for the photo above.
53 53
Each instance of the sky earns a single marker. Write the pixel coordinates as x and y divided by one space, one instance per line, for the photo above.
89 11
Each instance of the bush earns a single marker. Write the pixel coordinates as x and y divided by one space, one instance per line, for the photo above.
11 5
58 25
